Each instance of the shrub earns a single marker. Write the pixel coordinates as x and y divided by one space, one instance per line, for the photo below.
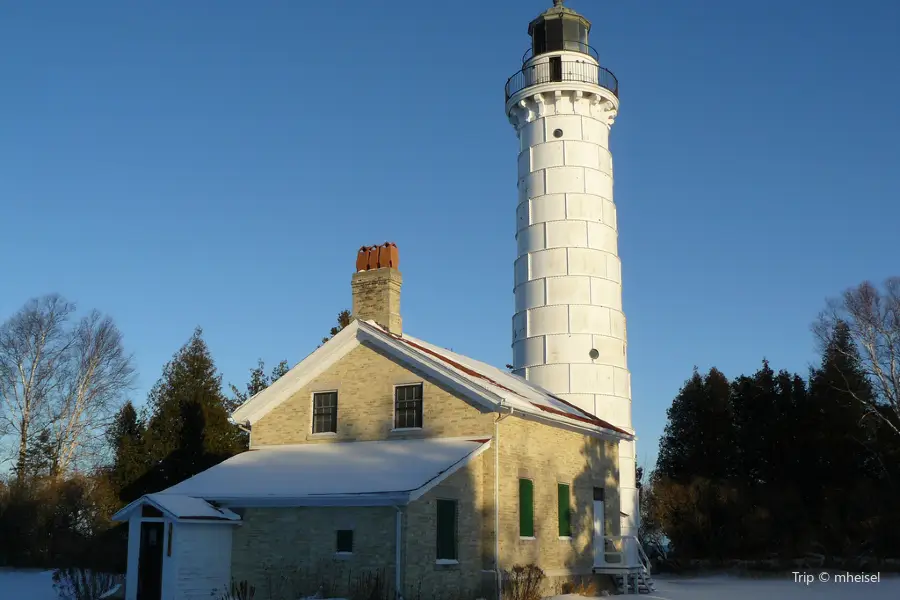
81 584
523 582
370 585
240 590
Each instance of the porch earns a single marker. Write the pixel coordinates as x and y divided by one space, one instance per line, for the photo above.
624 558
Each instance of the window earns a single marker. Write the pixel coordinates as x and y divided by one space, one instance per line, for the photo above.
446 530
526 508
344 541
565 511
325 412
408 406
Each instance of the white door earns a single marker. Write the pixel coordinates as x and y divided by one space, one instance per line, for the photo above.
599 528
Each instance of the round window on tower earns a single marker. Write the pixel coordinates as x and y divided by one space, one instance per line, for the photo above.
594 354
557 133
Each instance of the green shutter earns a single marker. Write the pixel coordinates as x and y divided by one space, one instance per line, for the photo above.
526 508
565 511
446 529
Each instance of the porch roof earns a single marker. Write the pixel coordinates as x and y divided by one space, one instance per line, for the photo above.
380 473
179 507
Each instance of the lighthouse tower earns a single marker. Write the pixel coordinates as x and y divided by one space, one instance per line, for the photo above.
569 327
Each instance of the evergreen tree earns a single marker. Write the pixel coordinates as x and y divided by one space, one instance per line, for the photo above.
838 482
756 415
39 459
130 463
188 430
258 382
698 438
343 320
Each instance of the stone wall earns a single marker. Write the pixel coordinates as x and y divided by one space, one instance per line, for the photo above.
549 456
365 380
290 552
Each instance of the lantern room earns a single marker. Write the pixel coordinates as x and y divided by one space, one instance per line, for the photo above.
559 29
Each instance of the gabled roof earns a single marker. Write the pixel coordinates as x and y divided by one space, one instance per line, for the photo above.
489 387
382 473
179 507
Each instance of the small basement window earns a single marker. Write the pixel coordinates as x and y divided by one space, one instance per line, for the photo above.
408 406
344 541
325 412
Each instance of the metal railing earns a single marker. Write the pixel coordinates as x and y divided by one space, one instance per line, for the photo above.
565 70
564 45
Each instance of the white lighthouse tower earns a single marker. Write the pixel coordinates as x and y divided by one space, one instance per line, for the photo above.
569 327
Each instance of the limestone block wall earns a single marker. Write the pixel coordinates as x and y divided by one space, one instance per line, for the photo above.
365 380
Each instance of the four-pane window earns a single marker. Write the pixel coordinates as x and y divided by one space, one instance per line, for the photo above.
408 406
325 412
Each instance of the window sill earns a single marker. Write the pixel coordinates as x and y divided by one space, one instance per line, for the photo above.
343 555
446 562
565 537
527 538
324 434
405 429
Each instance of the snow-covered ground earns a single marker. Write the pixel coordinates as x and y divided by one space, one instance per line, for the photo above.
774 588
27 585
38 585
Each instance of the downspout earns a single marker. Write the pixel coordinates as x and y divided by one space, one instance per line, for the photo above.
497 571
397 554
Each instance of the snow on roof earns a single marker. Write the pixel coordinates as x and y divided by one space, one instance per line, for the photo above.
179 507
515 390
331 474
186 507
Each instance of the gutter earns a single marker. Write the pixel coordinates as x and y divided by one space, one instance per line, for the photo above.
398 580
498 572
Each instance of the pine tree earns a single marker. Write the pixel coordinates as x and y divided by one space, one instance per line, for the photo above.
189 430
754 399
130 462
838 482
698 438
258 382
344 319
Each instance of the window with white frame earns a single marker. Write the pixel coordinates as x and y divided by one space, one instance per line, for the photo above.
408 406
324 412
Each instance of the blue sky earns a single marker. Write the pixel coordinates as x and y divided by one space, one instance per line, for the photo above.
219 163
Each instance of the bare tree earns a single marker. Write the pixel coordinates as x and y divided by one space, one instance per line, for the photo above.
872 318
33 349
97 373
58 382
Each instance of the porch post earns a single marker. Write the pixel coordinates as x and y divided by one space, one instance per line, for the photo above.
133 558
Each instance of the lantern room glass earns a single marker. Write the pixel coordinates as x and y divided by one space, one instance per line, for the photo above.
564 32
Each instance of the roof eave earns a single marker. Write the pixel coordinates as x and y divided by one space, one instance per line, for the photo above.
575 426
310 367
348 500
486 398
